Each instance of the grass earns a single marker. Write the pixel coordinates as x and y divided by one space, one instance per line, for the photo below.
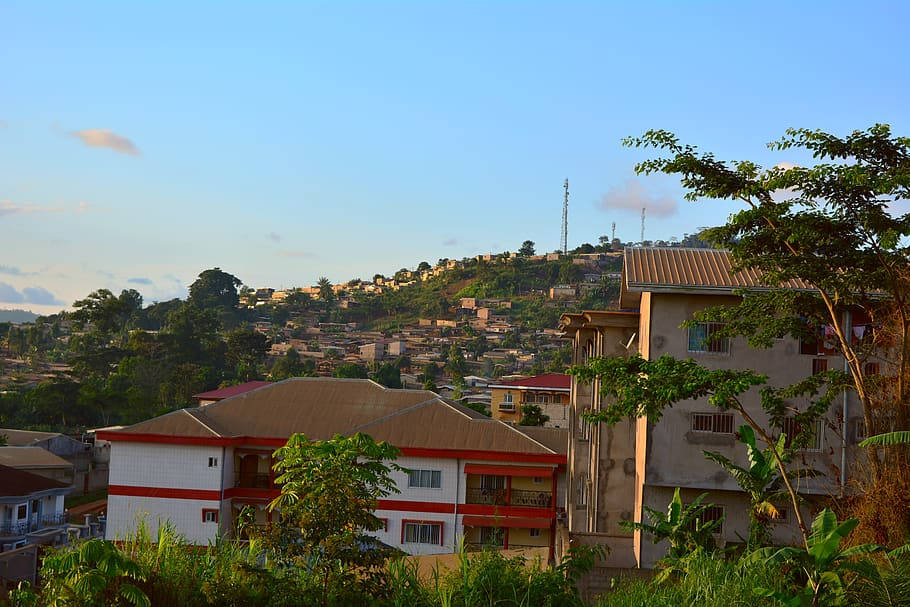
71 501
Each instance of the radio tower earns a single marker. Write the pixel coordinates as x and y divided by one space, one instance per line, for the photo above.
565 220
613 234
642 226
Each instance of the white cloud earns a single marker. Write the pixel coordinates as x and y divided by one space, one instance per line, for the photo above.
104 138
632 196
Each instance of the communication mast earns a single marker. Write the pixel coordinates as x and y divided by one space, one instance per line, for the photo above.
642 227
613 233
565 220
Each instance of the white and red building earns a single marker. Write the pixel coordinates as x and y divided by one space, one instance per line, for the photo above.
471 478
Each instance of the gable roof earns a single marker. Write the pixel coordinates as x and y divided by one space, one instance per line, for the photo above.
321 407
31 457
23 438
229 391
14 483
670 268
553 381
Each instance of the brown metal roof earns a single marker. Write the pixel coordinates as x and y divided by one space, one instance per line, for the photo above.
662 268
24 438
21 483
556 439
31 457
322 407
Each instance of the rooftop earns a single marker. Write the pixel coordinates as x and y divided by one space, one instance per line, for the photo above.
31 457
229 391
20 483
23 438
552 381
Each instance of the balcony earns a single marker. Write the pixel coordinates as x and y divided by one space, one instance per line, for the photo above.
24 527
502 497
531 499
252 481
480 495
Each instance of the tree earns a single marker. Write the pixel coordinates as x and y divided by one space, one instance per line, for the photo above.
290 365
215 289
388 375
329 494
455 362
326 293
834 231
526 249
423 266
108 314
761 481
351 371
532 415
246 349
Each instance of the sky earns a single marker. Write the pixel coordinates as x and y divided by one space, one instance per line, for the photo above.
141 143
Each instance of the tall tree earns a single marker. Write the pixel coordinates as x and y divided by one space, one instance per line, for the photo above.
526 249
326 293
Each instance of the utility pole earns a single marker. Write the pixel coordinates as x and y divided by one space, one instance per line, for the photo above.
642 226
565 220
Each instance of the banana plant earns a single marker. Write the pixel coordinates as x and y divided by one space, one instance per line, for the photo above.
681 526
889 439
762 481
828 570
93 573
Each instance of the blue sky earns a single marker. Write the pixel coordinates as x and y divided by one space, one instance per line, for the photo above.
141 144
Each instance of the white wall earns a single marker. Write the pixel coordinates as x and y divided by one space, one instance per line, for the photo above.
170 466
124 513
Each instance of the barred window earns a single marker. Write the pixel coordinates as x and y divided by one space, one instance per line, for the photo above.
422 533
792 428
717 423
703 338
819 365
709 515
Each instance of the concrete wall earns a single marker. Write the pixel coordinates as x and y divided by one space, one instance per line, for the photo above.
124 514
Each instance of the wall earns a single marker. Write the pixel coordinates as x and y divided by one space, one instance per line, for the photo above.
124 514
497 395
169 466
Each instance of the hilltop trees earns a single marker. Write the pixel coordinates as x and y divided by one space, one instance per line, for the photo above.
526 249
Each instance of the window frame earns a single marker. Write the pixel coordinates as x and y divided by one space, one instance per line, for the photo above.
212 511
434 475
213 462
704 344
405 523
715 422
819 435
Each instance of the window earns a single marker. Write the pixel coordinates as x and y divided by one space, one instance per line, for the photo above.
22 512
385 524
538 480
792 428
823 344
718 423
702 338
492 536
425 479
783 515
209 516
534 533
581 492
491 481
421 533
507 403
871 369
819 365
711 514
213 462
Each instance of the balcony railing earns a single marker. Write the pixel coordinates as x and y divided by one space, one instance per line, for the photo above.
532 499
502 497
252 481
23 527
493 497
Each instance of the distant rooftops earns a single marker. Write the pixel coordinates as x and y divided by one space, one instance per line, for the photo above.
547 381
229 391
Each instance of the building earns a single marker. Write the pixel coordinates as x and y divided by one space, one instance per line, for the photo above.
471 477
31 509
219 394
615 471
37 461
551 392
87 469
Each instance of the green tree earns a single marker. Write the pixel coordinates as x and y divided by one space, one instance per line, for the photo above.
326 294
329 494
423 266
351 371
526 249
215 289
246 349
455 362
290 365
388 375
833 230
532 415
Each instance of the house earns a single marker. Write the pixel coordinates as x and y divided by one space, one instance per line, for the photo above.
615 472
563 292
87 469
213 396
37 461
31 509
550 392
470 477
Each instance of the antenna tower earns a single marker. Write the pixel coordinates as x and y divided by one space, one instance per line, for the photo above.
613 234
565 220
642 226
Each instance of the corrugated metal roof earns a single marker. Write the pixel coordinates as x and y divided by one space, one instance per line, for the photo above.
322 407
31 457
689 268
21 483
23 438
229 391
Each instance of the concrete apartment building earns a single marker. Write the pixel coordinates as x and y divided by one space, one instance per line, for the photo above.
550 392
470 477
614 471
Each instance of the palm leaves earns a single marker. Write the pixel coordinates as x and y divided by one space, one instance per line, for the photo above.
96 573
889 439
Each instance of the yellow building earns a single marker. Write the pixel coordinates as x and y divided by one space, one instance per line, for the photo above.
551 392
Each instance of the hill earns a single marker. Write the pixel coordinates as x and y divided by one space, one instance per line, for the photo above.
17 316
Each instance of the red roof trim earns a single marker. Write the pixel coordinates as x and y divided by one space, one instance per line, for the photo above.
165 492
552 381
477 509
501 456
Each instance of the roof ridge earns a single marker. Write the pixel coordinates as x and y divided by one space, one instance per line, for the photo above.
534 440
202 423
407 409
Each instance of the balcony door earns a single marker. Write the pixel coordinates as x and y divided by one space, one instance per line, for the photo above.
249 470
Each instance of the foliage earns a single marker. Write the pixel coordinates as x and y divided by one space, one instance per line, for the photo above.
351 371
889 439
829 571
329 492
526 249
388 375
682 526
532 415
761 481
